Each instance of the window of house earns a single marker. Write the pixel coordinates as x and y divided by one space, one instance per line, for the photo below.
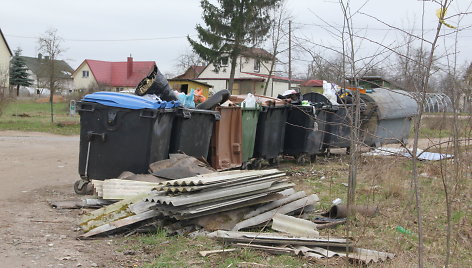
85 74
224 61
257 65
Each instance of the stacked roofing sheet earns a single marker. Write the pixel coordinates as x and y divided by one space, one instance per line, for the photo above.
202 195
208 195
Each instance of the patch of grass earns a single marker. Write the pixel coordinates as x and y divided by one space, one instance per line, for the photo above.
32 116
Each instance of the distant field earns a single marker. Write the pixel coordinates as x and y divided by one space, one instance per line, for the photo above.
32 116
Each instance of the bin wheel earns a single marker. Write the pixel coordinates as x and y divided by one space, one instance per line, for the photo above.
80 187
313 158
302 159
244 166
274 161
257 164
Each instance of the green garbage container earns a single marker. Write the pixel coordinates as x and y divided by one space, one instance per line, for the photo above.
250 116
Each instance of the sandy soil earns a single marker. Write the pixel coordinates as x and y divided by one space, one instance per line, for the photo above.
35 168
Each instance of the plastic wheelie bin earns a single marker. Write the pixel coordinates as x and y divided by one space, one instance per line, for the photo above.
250 117
338 126
121 132
303 139
192 130
270 134
226 141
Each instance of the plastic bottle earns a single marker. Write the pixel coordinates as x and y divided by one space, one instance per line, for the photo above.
403 230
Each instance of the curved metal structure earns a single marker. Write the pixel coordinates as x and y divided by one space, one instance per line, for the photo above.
435 102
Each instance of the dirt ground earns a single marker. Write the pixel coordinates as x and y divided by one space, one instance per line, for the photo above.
35 168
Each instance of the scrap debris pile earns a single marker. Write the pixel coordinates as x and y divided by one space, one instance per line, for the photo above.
223 206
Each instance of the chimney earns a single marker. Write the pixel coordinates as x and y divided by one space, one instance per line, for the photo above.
40 56
130 66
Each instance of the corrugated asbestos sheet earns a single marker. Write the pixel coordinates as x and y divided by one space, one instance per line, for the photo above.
188 200
393 103
116 189
220 177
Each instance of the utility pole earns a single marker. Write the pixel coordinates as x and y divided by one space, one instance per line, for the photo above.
289 54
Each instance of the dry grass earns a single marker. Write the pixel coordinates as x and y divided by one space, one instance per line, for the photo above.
385 182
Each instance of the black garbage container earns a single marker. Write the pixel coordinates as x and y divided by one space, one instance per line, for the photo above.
270 133
121 132
303 138
192 131
338 126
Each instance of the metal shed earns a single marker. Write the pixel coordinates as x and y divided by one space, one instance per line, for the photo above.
394 110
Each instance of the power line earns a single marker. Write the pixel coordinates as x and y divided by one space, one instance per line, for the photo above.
365 28
107 40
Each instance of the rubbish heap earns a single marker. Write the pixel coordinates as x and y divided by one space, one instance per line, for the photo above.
251 197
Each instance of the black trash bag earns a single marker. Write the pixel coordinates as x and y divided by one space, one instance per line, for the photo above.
155 83
219 97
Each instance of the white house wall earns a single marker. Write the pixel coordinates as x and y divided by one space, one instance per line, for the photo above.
81 82
246 65
5 57
243 64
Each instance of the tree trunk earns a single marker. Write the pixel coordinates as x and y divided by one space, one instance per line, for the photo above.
270 75
234 58
17 90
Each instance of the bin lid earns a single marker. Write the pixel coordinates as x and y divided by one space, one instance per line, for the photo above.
122 100
393 103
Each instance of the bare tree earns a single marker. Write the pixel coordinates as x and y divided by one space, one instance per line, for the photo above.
50 43
187 60
278 34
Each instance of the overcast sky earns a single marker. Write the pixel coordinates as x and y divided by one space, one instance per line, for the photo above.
111 30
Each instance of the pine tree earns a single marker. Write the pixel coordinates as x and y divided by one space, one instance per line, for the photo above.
18 72
231 25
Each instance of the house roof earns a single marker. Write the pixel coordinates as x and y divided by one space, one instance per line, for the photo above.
189 80
6 43
40 69
256 53
275 77
115 74
192 72
312 83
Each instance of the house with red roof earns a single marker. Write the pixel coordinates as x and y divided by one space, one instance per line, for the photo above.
113 76
311 86
252 73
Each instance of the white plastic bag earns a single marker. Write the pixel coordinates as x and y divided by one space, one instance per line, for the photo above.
329 91
249 101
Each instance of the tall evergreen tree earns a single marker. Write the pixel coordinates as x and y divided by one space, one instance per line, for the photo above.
231 25
18 72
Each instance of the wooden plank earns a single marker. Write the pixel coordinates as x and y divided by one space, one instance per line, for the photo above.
211 252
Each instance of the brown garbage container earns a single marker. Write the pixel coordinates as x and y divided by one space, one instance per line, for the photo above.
226 142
